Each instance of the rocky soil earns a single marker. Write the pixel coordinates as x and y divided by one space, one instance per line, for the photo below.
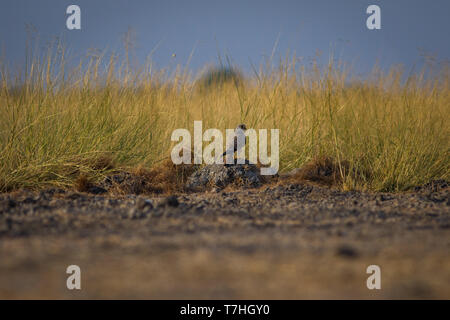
273 242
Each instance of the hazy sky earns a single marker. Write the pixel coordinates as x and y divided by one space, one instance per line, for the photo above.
246 30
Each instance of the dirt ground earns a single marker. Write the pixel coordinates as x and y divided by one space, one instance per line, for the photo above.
291 241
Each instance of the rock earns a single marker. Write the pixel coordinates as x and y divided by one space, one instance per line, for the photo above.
135 213
143 204
10 203
347 251
97 190
171 201
218 176
433 186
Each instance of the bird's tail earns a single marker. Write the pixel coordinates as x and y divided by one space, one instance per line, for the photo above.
219 157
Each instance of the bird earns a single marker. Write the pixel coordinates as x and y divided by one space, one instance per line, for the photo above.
236 144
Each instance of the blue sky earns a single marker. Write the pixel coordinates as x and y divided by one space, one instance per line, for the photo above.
245 30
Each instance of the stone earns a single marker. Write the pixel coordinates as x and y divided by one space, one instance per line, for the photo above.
218 176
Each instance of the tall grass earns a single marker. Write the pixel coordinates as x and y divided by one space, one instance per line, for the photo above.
58 122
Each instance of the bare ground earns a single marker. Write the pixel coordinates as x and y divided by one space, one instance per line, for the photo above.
290 241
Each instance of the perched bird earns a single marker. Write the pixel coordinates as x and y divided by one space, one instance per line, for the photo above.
238 141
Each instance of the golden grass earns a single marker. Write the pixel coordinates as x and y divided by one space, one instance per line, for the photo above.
60 123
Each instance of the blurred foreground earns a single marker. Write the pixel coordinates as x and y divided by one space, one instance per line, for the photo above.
287 241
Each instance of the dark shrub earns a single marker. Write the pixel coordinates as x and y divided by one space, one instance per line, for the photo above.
217 76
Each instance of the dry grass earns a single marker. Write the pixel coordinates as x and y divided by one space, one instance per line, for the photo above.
165 177
328 172
324 171
82 183
60 123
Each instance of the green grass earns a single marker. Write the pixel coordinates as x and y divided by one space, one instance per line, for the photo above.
62 122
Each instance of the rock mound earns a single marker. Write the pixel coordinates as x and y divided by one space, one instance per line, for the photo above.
219 176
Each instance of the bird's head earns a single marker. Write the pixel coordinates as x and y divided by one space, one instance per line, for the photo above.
242 127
